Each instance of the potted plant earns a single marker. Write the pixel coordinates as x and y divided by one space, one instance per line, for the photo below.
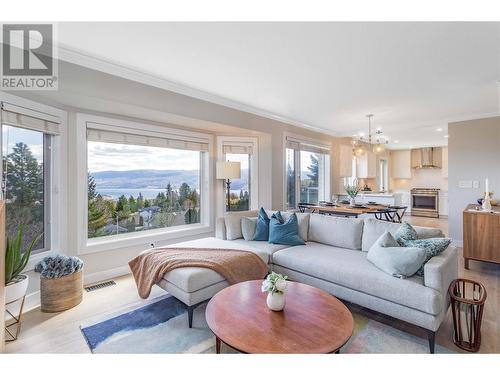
275 285
16 283
352 191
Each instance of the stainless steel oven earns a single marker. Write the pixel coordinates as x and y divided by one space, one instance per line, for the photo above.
425 202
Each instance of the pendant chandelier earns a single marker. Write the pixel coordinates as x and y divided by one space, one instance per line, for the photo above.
374 143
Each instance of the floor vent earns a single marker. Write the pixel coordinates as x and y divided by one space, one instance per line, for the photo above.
99 286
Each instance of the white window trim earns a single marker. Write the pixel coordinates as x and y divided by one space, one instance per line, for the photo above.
309 141
254 171
58 175
89 246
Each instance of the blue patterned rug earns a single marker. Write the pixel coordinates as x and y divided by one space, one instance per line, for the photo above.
161 327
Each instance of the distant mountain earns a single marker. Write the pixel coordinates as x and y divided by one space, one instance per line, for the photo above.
152 179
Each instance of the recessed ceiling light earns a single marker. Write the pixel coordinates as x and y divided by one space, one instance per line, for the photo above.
446 136
396 141
439 129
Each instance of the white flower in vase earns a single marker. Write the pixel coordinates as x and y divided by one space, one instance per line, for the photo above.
275 285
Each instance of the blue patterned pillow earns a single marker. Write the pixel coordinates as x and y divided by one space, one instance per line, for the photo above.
262 228
432 247
284 232
405 233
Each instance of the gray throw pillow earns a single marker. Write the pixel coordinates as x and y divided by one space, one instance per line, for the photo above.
388 256
405 233
431 247
248 225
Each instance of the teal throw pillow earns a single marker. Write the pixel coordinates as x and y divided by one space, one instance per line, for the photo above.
284 232
432 247
404 233
388 256
262 228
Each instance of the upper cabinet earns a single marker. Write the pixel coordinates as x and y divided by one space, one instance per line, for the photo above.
366 165
401 164
345 169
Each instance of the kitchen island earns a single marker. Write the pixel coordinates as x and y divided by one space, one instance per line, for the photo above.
388 199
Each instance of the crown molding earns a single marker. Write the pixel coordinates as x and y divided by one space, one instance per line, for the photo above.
87 60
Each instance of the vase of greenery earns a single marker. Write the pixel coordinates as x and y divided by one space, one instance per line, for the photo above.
352 191
275 285
16 283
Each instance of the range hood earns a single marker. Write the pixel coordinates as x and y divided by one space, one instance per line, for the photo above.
426 158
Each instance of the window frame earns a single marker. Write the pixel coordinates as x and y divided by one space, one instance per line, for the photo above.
145 238
253 166
308 142
56 185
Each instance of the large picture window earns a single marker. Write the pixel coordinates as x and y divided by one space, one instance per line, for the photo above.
134 188
27 137
307 173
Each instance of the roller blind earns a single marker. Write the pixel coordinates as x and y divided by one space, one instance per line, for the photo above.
30 119
239 148
297 144
125 136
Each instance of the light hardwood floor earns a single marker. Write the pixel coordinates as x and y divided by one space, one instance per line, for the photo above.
60 333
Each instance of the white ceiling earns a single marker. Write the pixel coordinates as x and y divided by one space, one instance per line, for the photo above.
414 77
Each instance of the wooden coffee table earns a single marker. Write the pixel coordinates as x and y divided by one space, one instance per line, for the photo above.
313 321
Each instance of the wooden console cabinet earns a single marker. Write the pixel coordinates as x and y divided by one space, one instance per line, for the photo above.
481 235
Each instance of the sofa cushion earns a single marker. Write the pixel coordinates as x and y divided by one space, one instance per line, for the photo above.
352 270
397 261
233 223
302 218
191 279
374 228
248 226
262 247
336 231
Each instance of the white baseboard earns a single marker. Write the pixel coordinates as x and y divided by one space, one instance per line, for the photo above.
96 277
32 300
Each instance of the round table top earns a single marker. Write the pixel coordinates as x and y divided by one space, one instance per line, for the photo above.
312 321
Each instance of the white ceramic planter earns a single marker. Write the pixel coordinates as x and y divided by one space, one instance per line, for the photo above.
276 301
16 289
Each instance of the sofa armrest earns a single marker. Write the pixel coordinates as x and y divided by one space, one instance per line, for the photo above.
220 228
440 271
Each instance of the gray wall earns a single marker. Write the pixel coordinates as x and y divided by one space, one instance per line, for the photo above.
474 154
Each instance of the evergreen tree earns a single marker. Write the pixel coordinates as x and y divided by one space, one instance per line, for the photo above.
184 193
140 201
24 176
92 187
313 170
97 216
132 204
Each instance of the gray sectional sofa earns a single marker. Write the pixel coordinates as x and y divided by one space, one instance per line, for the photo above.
333 259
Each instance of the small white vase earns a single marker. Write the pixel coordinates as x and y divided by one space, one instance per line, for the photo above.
16 289
276 301
352 202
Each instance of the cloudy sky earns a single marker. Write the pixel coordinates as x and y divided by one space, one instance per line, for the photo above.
116 157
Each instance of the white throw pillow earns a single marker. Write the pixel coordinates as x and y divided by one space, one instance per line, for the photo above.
248 225
233 223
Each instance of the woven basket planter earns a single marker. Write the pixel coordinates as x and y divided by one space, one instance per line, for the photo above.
62 293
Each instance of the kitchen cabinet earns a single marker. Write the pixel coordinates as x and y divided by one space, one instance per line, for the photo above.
401 164
345 159
366 165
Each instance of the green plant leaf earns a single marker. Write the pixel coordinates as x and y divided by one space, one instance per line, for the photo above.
26 256
9 262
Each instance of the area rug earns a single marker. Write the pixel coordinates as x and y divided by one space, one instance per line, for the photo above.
161 327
